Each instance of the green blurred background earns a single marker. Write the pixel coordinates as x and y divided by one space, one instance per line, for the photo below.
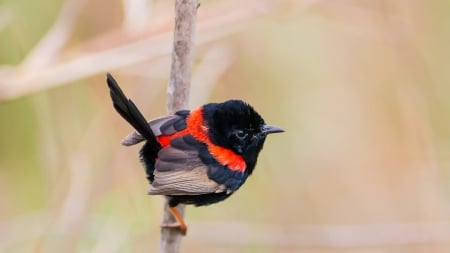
361 88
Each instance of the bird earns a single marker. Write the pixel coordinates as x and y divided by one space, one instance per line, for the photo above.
195 157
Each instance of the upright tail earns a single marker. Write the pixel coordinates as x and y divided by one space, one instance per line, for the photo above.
128 110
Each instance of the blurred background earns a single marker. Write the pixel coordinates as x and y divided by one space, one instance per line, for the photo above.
361 88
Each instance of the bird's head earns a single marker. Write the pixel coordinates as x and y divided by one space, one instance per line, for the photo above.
235 125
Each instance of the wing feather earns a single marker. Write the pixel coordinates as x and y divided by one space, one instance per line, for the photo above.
180 171
192 182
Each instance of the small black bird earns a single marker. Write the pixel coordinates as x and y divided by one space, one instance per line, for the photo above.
197 157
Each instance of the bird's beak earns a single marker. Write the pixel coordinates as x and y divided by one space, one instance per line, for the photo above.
268 129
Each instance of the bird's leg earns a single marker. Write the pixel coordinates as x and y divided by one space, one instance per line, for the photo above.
180 222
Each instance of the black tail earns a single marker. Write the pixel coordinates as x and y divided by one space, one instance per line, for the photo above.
128 110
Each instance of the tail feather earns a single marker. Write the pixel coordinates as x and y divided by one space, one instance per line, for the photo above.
128 110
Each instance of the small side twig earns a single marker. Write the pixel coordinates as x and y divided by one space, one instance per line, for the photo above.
50 46
178 95
94 56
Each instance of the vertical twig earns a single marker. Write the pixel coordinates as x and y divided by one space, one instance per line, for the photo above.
183 51
178 94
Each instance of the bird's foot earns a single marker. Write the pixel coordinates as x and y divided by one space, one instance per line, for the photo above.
176 225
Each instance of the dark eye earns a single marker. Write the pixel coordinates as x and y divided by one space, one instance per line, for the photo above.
241 134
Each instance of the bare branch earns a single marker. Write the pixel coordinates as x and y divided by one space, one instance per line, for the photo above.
49 47
94 56
178 95
183 50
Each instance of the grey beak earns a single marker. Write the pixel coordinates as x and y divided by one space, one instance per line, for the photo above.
268 129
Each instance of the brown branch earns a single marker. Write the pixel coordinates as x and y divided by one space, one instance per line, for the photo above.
183 50
178 95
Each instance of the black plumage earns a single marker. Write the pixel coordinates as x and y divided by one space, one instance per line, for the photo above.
197 157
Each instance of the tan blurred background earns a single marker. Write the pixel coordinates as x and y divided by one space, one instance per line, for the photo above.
361 87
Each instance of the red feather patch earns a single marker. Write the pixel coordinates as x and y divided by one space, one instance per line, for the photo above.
224 156
164 140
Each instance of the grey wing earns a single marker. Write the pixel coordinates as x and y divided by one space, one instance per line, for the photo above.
157 125
179 171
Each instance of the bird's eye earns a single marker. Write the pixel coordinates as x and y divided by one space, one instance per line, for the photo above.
241 134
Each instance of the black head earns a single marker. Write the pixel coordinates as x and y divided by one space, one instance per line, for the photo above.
235 125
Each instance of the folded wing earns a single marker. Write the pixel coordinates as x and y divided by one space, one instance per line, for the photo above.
180 171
